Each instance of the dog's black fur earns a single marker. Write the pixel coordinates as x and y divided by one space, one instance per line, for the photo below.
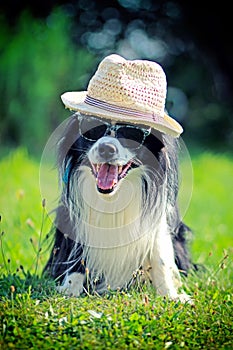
72 150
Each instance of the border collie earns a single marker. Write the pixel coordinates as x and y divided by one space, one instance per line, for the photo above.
118 211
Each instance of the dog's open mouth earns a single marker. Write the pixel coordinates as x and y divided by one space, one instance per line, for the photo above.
108 175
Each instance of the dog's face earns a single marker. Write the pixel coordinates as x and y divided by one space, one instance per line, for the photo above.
116 149
111 149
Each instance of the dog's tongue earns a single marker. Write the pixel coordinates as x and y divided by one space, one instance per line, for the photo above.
107 176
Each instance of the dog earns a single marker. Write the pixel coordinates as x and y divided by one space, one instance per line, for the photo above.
118 211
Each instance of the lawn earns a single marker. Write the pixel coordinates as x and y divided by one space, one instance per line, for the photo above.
35 316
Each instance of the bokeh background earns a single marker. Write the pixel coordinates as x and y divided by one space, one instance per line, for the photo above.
49 47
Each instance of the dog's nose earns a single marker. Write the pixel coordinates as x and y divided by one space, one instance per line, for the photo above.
107 150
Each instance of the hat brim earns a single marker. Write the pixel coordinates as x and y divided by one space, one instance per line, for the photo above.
75 100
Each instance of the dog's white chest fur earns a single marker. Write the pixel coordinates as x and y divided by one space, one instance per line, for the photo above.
114 235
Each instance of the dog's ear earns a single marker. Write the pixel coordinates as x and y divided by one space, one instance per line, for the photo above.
68 138
170 159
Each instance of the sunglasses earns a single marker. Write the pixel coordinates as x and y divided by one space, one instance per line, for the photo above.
132 136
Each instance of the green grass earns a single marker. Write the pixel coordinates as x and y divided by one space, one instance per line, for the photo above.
34 316
21 210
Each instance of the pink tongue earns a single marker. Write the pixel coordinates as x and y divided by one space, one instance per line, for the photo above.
107 176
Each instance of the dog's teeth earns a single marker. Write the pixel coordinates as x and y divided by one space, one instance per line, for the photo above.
97 167
120 169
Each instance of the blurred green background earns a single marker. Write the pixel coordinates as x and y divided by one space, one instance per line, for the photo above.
50 47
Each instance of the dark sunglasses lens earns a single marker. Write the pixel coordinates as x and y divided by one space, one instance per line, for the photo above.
130 136
92 128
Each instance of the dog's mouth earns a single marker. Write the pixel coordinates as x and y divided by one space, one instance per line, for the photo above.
108 175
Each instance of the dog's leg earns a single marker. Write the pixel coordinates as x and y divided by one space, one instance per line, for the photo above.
164 272
72 284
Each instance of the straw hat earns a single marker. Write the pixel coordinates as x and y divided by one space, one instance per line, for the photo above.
127 91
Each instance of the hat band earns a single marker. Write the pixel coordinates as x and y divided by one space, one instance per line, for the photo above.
122 110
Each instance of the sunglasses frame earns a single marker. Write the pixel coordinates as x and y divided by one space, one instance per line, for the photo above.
115 128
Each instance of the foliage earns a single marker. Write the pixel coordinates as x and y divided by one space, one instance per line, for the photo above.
20 209
34 315
38 63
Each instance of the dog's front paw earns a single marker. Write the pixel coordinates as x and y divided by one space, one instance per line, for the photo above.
183 298
72 285
178 297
